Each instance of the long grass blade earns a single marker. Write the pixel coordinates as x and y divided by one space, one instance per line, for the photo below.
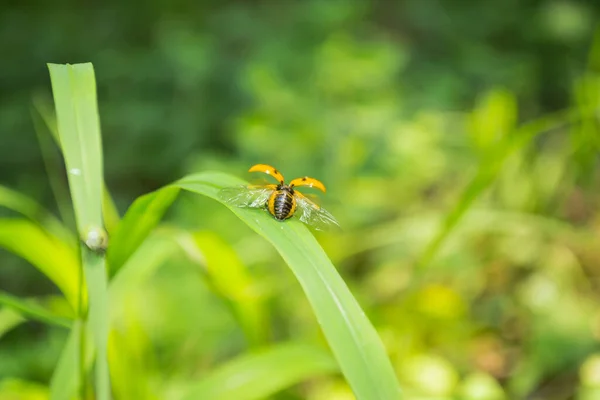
50 149
74 91
262 374
31 310
354 341
44 122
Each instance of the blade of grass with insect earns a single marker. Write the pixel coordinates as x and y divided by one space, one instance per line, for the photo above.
30 310
78 122
354 341
261 374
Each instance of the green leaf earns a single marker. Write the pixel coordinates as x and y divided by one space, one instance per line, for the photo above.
260 375
32 310
68 374
51 256
110 212
97 283
44 123
9 319
493 118
29 208
130 353
152 253
354 341
131 361
487 173
44 117
230 279
141 217
74 91
16 389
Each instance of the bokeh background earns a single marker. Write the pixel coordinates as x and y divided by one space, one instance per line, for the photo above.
458 140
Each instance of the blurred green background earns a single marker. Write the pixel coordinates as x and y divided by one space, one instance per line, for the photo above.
458 141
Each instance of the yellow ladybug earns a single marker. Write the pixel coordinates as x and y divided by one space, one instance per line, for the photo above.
282 200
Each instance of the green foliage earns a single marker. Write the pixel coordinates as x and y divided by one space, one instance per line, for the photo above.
54 258
354 341
231 280
68 375
74 90
32 310
350 335
459 146
143 215
261 374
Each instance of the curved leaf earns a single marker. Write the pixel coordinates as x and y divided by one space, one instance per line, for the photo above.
141 217
262 374
9 319
33 310
51 256
229 278
29 208
355 343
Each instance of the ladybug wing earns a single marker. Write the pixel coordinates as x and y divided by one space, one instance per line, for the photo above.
246 196
314 215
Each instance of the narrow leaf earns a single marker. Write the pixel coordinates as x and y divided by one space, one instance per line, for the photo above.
139 220
44 123
262 374
152 253
26 206
45 116
230 279
74 91
97 284
51 256
9 319
66 378
110 212
32 310
355 343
